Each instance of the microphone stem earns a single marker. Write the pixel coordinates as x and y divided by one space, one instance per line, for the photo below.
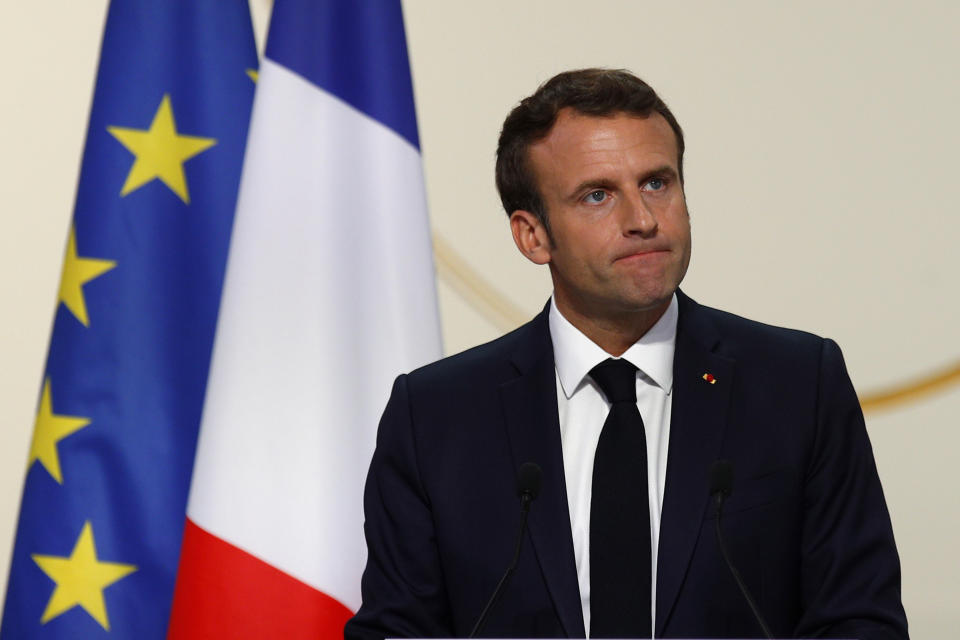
736 574
524 510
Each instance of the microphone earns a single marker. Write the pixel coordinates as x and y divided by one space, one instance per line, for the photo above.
721 486
528 488
528 484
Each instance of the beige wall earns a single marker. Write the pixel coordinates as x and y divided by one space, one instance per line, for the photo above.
821 152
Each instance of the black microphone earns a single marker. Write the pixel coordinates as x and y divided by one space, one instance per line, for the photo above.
721 486
528 488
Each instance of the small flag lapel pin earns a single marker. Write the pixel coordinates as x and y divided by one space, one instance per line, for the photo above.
709 378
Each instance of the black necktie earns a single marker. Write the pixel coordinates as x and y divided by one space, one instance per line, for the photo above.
620 512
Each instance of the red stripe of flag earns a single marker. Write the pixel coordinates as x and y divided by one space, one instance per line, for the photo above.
225 592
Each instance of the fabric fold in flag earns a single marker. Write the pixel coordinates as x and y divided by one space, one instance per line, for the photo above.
329 295
108 472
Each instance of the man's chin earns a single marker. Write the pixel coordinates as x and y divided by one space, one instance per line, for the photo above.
647 301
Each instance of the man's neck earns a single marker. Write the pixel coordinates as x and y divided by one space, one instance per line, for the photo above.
613 332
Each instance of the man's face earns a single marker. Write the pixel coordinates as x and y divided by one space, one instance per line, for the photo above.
618 217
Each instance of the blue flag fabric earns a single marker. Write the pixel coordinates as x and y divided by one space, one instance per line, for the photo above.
357 51
109 467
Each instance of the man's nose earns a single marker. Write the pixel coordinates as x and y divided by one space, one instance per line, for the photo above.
638 217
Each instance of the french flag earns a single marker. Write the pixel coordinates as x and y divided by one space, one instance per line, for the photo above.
329 294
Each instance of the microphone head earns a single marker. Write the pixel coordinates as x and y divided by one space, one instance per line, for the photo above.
721 478
528 479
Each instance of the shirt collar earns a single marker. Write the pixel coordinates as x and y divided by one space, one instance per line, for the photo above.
575 354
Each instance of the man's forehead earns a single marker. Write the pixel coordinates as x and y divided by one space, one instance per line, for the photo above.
575 127
584 140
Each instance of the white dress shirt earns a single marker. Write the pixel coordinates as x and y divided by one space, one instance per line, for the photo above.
583 410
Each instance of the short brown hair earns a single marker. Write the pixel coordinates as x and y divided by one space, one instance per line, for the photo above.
592 92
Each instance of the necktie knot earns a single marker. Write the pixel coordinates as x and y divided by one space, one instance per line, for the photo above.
617 379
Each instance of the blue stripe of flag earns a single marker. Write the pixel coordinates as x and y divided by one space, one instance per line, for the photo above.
354 50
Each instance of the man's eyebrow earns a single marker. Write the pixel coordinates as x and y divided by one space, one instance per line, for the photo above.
592 183
665 170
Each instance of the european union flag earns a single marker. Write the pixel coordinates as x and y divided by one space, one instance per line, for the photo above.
109 467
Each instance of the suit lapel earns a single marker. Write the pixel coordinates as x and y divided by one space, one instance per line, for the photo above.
533 428
697 424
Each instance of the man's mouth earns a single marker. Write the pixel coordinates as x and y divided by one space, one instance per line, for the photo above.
642 255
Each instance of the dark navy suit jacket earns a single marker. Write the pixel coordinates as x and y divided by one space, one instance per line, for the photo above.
806 524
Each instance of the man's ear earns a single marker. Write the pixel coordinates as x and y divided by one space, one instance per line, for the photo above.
530 236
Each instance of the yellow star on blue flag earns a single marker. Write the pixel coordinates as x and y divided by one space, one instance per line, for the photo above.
48 431
78 271
160 152
81 579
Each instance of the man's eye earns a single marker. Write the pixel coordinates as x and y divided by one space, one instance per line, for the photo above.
596 197
655 184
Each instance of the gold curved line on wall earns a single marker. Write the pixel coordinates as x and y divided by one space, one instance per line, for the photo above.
476 291
910 391
505 315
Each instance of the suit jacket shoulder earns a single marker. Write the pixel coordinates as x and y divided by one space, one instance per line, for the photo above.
738 335
500 359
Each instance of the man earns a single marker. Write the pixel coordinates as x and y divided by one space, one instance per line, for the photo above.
624 391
